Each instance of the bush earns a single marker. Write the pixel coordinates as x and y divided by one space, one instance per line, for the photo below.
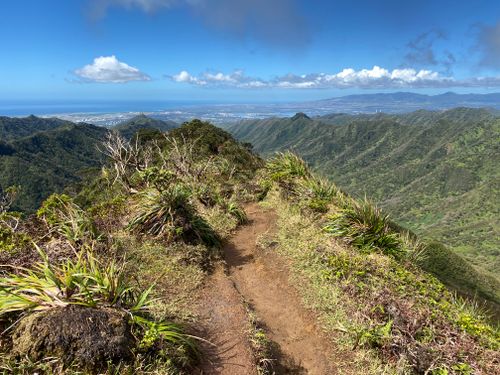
87 284
158 178
170 215
236 211
367 228
320 193
82 282
66 218
11 239
287 166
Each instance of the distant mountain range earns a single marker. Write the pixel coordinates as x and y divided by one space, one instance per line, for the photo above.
436 172
400 102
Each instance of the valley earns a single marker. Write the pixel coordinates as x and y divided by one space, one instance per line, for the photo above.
434 172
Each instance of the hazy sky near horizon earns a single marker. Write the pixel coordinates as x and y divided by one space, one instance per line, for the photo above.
245 50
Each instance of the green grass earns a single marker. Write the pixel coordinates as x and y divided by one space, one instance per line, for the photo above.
89 283
366 301
83 282
370 270
66 218
436 173
170 215
366 227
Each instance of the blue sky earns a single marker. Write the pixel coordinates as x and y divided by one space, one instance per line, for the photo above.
245 50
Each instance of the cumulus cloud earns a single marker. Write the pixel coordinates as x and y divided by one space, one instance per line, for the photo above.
374 78
108 69
488 43
278 22
235 79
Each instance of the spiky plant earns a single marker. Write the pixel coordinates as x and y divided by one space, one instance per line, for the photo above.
163 214
366 227
235 210
415 250
320 193
87 282
67 219
170 215
83 281
285 166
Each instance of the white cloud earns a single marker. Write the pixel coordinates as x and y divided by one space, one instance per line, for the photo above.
218 79
108 69
374 78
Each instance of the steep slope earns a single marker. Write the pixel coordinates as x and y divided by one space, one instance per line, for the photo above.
362 275
49 161
141 122
12 128
435 172
192 255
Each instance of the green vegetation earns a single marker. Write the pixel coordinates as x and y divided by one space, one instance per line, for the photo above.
53 155
131 249
56 155
12 128
434 172
63 216
136 242
365 227
129 128
395 315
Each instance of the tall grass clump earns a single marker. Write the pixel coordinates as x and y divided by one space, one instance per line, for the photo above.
66 218
320 193
366 227
170 215
236 211
286 166
83 282
88 283
11 238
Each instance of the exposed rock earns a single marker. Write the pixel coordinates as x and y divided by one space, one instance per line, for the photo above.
75 334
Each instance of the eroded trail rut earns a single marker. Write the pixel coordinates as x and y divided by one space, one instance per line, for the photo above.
262 279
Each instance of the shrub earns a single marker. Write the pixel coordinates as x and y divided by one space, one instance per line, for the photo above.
367 228
66 218
320 193
87 283
286 166
169 214
235 210
11 239
158 178
83 282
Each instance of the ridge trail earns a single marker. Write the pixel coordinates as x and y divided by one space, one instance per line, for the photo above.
262 279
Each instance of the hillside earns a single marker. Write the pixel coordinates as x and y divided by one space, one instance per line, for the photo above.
434 172
12 128
55 154
188 252
42 162
141 122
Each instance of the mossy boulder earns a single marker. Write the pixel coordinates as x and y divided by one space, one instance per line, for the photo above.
87 337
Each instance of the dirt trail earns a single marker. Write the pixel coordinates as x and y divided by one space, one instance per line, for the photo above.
262 279
223 314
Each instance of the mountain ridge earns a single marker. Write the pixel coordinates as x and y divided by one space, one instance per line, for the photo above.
452 154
